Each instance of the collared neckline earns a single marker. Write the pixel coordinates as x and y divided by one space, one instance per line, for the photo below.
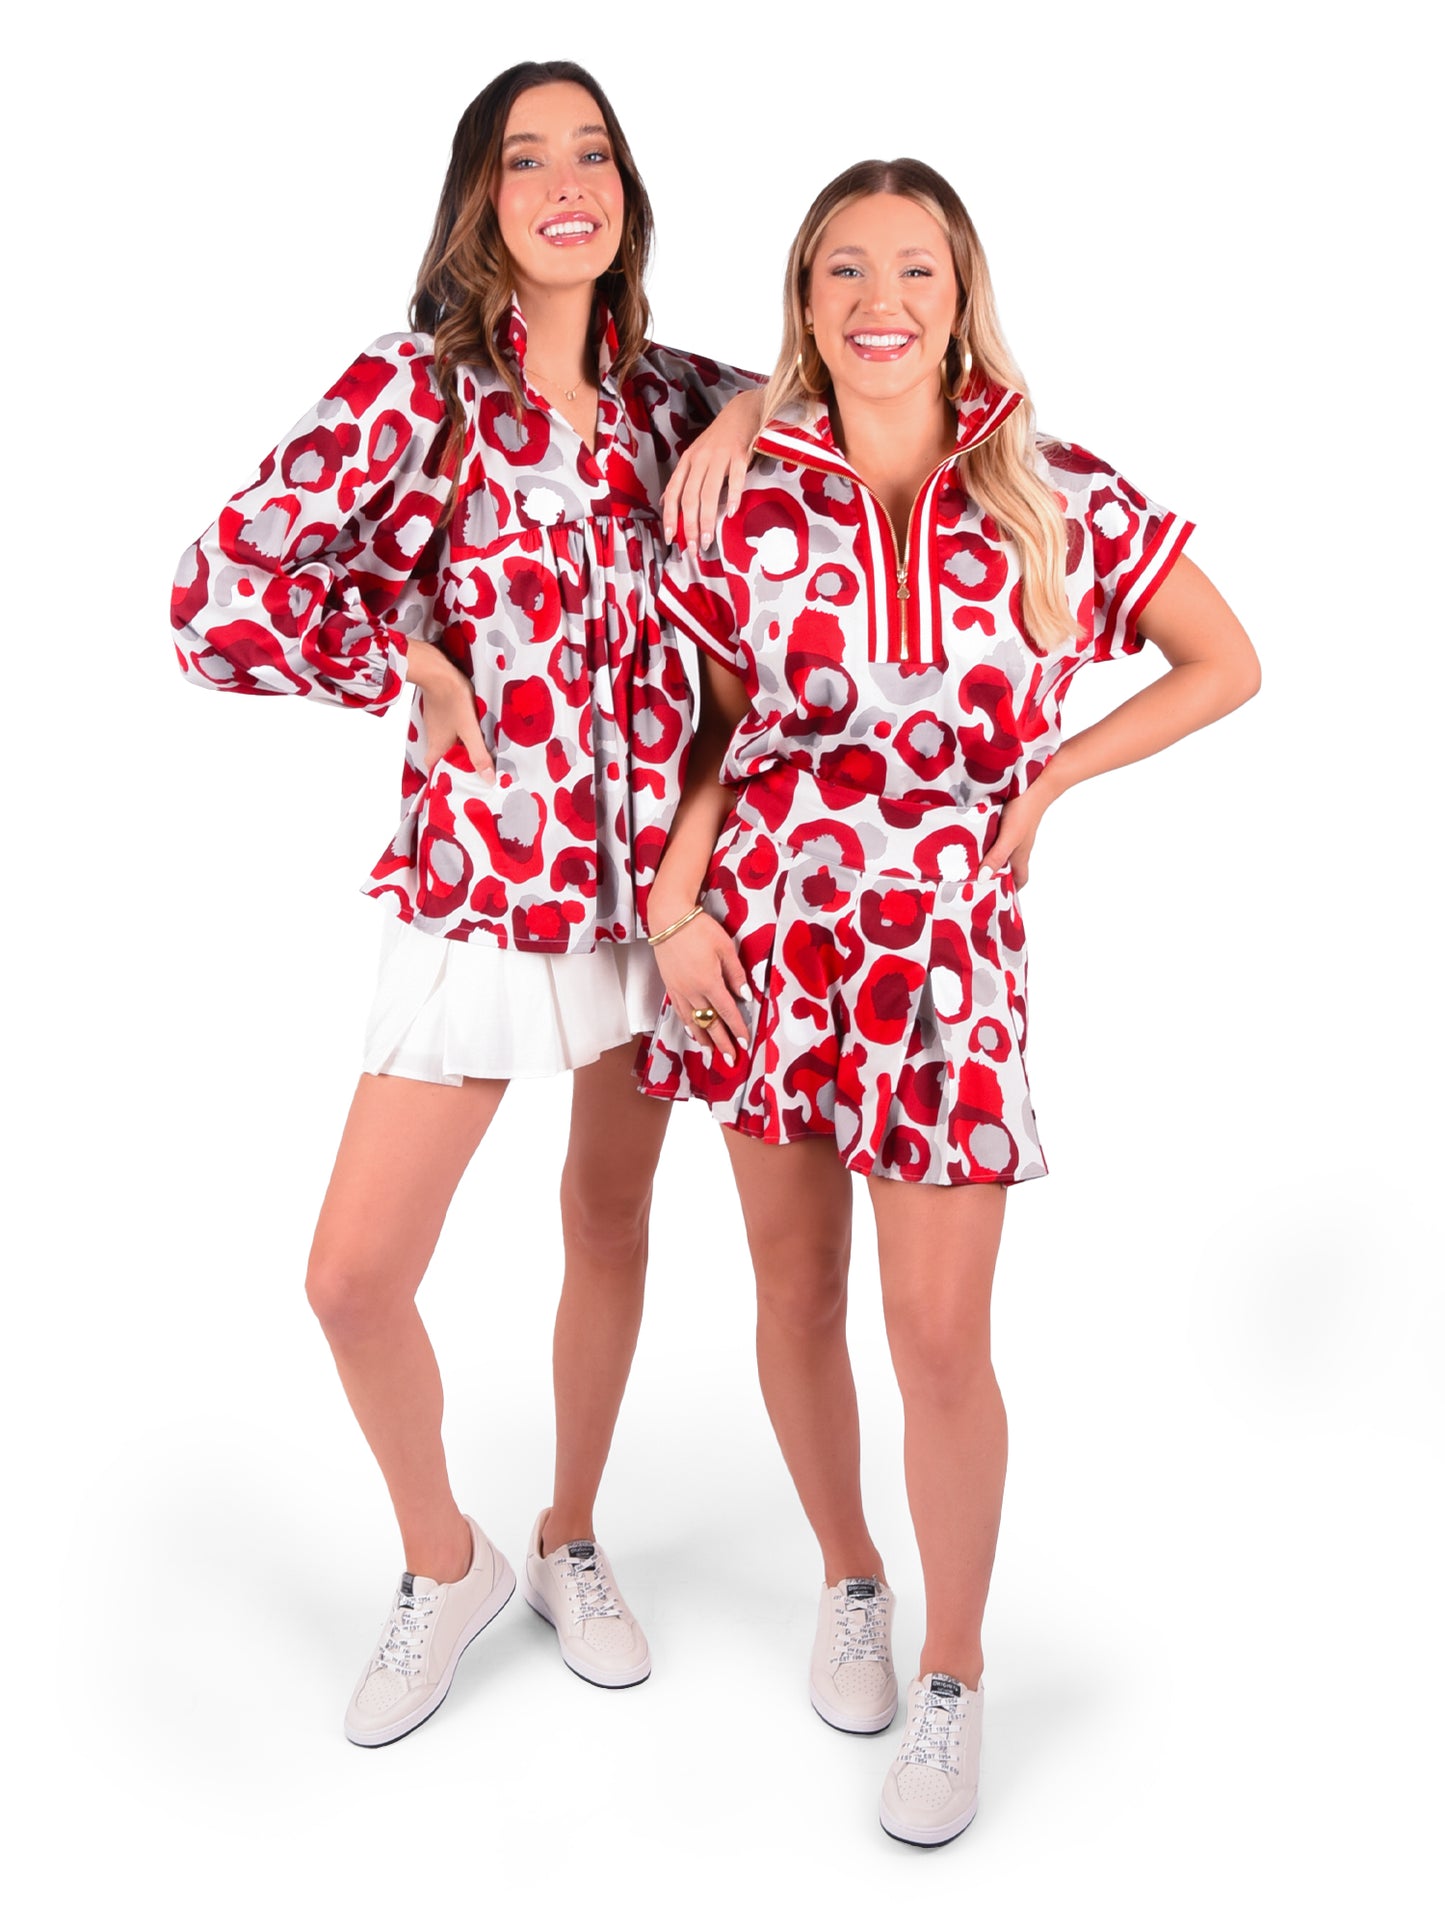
805 433
512 337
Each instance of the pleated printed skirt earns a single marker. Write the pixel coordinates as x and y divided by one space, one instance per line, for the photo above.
889 986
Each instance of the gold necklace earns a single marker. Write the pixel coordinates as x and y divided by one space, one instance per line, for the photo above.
570 393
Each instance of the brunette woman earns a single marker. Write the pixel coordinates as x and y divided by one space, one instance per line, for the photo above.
906 587
472 508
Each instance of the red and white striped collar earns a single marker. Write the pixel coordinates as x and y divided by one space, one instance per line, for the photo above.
805 434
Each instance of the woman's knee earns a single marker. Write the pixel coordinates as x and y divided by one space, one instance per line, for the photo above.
349 1296
606 1223
802 1286
940 1348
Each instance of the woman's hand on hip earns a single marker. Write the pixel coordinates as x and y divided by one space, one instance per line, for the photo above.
702 970
449 708
1014 839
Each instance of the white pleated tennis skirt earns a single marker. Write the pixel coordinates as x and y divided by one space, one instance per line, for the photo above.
445 1010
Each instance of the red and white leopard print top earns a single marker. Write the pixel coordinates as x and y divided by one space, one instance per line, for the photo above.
540 584
908 676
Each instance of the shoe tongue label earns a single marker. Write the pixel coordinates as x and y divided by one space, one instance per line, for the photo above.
862 1589
945 1687
406 1581
581 1549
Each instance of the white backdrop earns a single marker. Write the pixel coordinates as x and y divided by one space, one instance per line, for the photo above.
1212 1645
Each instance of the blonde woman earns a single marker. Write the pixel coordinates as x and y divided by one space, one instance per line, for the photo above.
473 509
905 588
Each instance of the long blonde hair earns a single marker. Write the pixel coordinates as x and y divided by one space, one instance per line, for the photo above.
999 473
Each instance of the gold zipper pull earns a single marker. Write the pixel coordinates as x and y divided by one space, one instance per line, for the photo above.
903 583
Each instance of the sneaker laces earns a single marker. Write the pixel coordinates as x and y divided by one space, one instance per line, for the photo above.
935 1733
404 1637
860 1629
589 1584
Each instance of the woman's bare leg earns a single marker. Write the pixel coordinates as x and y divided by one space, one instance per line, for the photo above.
403 1151
612 1153
936 1250
797 1204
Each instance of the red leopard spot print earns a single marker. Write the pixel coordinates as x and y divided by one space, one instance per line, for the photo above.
540 585
884 734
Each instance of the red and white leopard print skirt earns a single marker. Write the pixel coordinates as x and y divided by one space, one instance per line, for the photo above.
889 985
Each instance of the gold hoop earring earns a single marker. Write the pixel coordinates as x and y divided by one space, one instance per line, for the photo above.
803 381
954 391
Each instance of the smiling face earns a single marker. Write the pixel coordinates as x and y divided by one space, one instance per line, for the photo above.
883 298
559 196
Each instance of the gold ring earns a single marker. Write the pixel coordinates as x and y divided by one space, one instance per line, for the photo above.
702 1018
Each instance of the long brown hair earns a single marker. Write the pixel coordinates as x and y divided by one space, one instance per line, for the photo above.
998 473
465 283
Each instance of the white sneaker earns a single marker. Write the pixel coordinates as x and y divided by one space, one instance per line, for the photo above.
429 1627
851 1682
930 1793
574 1591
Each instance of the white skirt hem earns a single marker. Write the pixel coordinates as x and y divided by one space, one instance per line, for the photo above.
444 1010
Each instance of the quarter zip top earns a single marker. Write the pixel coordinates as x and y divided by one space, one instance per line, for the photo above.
809 443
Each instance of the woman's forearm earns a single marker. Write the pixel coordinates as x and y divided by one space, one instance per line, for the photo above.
1213 668
1187 698
701 812
429 668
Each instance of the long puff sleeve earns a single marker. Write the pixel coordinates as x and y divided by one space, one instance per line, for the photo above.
309 581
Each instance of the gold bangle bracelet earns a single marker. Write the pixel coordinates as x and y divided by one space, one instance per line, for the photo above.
672 928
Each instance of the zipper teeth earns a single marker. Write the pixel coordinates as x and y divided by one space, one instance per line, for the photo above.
901 593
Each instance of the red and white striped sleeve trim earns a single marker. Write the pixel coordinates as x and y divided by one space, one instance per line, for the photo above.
1166 545
674 605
